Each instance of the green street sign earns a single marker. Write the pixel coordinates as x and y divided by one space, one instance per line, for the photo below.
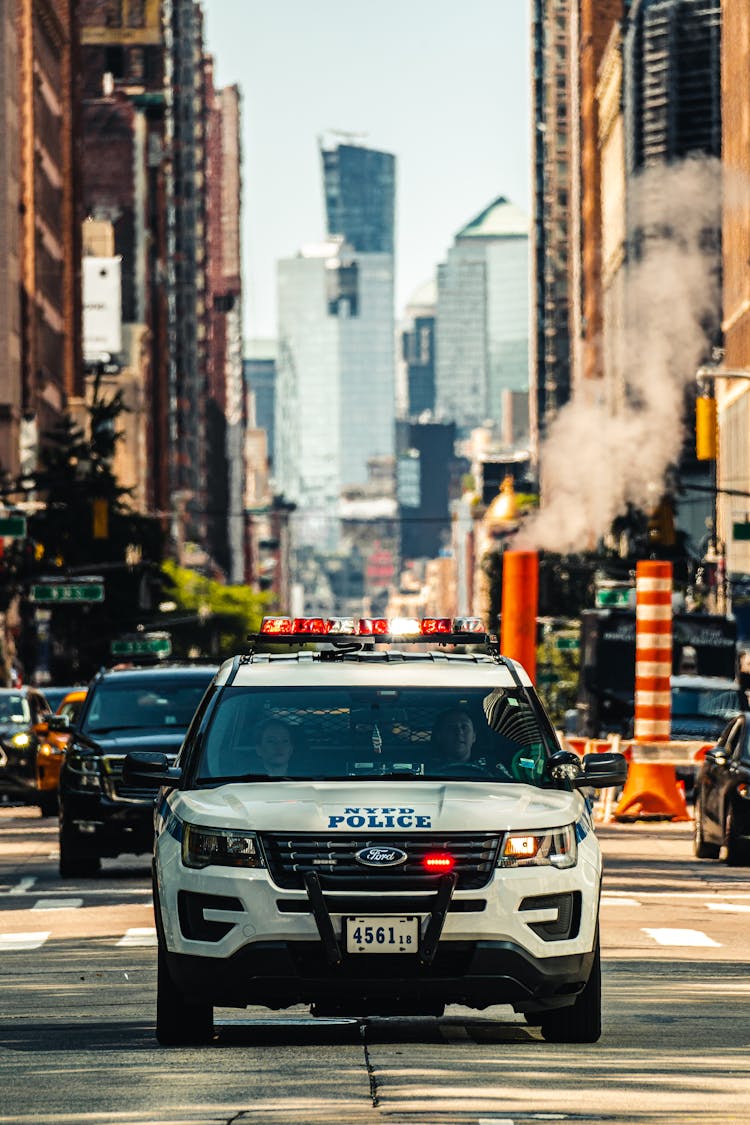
147 645
741 530
13 527
567 642
79 592
608 597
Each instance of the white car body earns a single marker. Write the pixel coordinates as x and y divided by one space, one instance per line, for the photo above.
525 935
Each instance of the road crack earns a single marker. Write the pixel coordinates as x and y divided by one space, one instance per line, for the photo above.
370 1068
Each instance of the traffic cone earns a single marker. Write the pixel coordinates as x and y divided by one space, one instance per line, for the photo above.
651 792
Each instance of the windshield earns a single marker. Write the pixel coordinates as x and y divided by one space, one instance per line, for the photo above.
704 702
405 734
148 704
14 709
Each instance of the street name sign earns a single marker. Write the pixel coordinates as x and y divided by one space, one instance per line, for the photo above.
78 592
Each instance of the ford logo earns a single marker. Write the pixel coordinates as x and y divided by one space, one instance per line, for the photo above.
381 857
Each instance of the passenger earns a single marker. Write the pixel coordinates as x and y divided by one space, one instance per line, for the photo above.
275 747
453 737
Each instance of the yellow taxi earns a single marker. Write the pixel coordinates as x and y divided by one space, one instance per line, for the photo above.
51 752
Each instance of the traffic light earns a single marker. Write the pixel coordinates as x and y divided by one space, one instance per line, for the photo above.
705 428
661 528
100 518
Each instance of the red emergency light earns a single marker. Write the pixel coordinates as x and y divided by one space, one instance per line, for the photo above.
438 862
403 628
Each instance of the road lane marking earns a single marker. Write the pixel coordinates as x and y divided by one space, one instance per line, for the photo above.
23 941
681 937
607 901
139 936
734 907
57 904
22 887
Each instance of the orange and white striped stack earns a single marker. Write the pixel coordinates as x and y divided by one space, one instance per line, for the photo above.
653 651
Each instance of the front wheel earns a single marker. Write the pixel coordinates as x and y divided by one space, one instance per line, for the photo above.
701 848
179 1023
48 804
75 861
581 1023
738 850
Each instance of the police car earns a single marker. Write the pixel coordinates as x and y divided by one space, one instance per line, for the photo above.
375 818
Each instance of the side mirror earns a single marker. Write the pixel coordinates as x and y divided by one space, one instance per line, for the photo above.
61 724
147 767
603 771
716 756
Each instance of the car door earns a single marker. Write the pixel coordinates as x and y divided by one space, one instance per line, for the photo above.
715 779
737 771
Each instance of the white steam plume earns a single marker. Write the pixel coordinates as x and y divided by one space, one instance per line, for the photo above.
596 460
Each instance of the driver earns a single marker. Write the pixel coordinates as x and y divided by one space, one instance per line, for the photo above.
453 737
275 747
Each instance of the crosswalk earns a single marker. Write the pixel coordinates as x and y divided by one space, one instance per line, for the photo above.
646 913
136 936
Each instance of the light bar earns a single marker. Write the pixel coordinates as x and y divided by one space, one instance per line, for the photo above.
403 628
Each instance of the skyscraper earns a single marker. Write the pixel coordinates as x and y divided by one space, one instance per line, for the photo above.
360 196
335 381
335 392
482 316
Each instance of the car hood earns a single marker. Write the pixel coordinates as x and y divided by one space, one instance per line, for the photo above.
314 806
164 742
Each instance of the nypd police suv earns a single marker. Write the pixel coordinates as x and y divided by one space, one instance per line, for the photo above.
373 825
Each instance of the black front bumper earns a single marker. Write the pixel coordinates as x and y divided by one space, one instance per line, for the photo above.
476 974
108 828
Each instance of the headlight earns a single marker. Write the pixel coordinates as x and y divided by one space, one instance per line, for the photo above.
202 847
556 847
84 773
20 740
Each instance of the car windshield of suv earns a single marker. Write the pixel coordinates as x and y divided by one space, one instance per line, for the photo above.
386 733
145 704
703 702
14 709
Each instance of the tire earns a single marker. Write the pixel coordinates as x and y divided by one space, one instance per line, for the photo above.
581 1023
738 850
48 804
701 848
179 1023
75 861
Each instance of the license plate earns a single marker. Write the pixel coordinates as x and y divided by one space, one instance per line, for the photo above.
382 935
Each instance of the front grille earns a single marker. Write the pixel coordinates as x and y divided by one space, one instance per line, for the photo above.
290 858
392 905
116 789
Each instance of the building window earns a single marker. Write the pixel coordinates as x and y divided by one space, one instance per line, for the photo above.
137 13
342 284
114 13
137 66
114 62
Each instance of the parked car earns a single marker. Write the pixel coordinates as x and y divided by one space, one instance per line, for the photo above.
125 709
701 708
53 743
23 714
722 797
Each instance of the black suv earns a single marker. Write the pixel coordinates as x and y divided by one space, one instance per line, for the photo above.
23 712
125 709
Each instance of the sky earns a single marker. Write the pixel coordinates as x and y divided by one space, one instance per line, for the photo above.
443 85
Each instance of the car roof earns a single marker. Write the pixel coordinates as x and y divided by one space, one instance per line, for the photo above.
707 683
163 671
74 696
426 670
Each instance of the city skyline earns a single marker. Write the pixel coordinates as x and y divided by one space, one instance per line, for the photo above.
446 91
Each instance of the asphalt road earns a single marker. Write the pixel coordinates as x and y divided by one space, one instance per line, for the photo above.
77 989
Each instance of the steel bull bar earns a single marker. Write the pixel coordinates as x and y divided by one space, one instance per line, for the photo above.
437 906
